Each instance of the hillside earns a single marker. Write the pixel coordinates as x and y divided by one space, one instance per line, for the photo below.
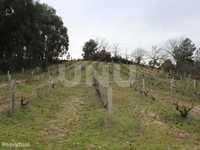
68 115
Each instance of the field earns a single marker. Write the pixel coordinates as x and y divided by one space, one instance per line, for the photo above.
69 116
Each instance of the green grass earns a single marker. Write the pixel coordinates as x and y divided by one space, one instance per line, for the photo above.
71 118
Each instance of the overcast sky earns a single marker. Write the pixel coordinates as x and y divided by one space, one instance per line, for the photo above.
131 23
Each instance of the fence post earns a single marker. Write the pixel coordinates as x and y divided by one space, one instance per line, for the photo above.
172 85
9 76
32 73
13 92
130 82
143 86
195 84
109 102
51 84
23 70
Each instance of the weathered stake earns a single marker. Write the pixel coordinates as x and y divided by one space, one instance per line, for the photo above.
23 70
96 85
109 107
32 73
143 86
172 86
51 84
9 76
13 92
131 81
195 84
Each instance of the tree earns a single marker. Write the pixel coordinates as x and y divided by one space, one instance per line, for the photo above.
171 45
31 34
90 49
196 72
116 50
103 45
156 57
182 51
197 56
183 55
138 55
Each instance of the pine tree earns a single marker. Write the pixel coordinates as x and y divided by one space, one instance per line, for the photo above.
183 55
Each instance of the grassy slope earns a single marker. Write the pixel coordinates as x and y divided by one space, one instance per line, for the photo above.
72 118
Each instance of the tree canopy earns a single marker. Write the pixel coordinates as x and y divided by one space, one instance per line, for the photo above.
183 55
90 49
31 34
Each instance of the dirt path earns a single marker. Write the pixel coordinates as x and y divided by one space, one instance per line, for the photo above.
62 124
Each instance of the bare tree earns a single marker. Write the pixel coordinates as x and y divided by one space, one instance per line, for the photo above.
116 50
170 45
126 55
103 44
157 56
138 55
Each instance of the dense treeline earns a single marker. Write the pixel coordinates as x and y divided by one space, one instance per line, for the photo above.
178 57
31 35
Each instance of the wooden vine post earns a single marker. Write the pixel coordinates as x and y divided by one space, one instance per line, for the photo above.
131 81
109 106
23 70
172 86
195 84
9 76
32 74
12 100
143 87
